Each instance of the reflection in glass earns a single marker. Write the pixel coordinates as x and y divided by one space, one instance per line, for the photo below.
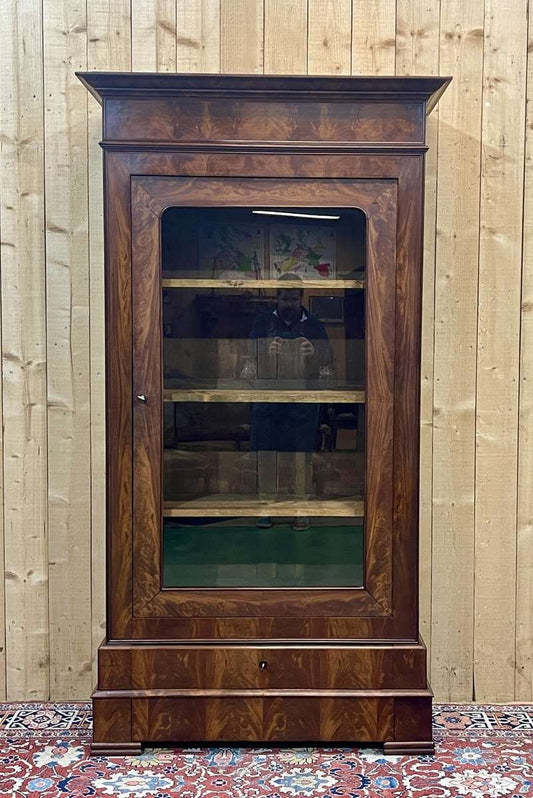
264 450
211 552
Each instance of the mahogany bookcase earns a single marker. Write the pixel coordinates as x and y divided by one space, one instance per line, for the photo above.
263 459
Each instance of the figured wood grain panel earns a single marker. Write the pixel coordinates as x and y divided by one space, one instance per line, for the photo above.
524 553
153 36
498 348
114 667
329 37
410 668
407 393
266 667
241 21
222 121
308 165
285 37
288 718
456 288
176 719
119 453
369 719
265 628
234 719
198 35
417 53
373 37
24 355
380 334
172 720
112 720
412 719
343 669
108 47
67 285
147 417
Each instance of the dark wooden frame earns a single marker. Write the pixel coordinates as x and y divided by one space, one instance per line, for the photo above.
344 664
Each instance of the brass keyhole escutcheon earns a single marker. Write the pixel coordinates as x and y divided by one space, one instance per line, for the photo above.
263 664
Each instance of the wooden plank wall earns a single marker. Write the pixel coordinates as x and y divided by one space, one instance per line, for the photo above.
477 363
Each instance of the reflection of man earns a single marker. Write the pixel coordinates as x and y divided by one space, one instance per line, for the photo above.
290 345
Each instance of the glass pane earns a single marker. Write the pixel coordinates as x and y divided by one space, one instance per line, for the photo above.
228 552
263 362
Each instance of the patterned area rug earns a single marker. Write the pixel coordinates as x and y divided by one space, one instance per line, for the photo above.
481 751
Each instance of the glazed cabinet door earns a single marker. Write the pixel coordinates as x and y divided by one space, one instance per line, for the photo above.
263 321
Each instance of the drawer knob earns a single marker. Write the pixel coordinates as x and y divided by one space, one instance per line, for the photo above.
263 664
142 398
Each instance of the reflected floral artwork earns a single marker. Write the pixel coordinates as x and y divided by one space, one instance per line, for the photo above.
306 251
230 251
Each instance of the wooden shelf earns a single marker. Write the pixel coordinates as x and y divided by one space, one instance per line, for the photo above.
277 396
240 505
199 282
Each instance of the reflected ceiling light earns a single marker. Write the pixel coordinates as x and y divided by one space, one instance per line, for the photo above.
300 215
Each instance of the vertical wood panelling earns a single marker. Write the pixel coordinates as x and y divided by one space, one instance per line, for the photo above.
474 353
330 37
524 554
456 285
69 474
241 21
502 175
108 48
286 37
373 37
24 353
153 35
417 53
198 26
3 692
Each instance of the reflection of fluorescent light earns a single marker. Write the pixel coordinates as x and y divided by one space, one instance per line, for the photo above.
300 215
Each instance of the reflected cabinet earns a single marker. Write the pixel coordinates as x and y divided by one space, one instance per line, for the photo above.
263 312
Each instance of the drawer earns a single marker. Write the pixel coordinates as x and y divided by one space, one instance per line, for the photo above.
280 667
241 718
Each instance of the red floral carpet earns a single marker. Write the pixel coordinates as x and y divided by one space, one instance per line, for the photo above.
481 751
